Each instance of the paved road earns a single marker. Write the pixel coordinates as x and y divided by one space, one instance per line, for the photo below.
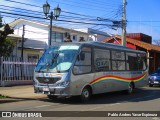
144 99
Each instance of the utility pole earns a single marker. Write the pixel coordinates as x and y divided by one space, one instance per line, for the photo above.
1 24
23 32
50 31
124 23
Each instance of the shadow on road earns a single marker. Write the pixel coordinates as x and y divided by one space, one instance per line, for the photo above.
15 99
142 94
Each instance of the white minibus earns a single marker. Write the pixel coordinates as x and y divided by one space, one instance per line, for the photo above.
86 68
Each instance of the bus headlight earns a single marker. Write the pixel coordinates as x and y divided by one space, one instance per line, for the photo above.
63 84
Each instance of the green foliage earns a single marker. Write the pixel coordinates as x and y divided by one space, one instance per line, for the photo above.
3 96
6 45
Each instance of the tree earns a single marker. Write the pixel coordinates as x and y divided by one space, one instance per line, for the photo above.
157 42
6 45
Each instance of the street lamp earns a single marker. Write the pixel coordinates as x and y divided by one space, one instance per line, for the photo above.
57 11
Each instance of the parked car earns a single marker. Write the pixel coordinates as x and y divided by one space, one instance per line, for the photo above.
154 79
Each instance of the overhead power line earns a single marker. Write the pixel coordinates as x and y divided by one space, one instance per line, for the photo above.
51 6
6 6
23 3
17 11
80 16
56 20
65 18
21 15
83 5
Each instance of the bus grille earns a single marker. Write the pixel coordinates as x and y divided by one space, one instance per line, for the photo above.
47 80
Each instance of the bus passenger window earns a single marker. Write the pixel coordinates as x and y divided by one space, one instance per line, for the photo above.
83 62
81 56
142 63
101 60
132 61
118 60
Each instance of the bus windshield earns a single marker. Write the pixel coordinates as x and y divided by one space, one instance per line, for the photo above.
57 59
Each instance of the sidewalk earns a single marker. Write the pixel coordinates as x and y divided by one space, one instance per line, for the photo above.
19 92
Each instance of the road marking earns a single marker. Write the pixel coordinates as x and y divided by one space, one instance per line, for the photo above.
156 118
114 104
35 107
101 107
42 106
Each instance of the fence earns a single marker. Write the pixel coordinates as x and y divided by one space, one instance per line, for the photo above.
14 71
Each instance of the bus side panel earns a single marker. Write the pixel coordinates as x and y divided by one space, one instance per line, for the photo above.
122 83
100 84
78 82
116 81
108 82
119 85
143 81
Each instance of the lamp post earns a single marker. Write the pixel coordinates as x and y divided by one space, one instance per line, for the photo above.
57 11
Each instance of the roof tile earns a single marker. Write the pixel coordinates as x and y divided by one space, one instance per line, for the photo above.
142 44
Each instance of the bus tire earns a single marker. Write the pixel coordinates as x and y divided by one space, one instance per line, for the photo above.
86 94
130 88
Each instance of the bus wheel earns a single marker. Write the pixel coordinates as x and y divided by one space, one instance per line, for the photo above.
52 97
130 88
86 94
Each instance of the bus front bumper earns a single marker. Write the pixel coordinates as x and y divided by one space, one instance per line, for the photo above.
57 91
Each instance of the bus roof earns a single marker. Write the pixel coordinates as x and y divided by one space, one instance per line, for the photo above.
102 45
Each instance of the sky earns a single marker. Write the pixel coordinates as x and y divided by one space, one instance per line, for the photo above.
142 15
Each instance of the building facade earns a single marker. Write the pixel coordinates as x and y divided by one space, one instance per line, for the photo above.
36 36
94 35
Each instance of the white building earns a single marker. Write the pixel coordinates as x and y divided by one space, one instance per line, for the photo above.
94 35
37 34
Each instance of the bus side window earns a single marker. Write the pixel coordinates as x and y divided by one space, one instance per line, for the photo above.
83 62
132 61
81 56
101 60
142 63
118 60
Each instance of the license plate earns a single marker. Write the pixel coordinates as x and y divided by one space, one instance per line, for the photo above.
156 82
45 89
